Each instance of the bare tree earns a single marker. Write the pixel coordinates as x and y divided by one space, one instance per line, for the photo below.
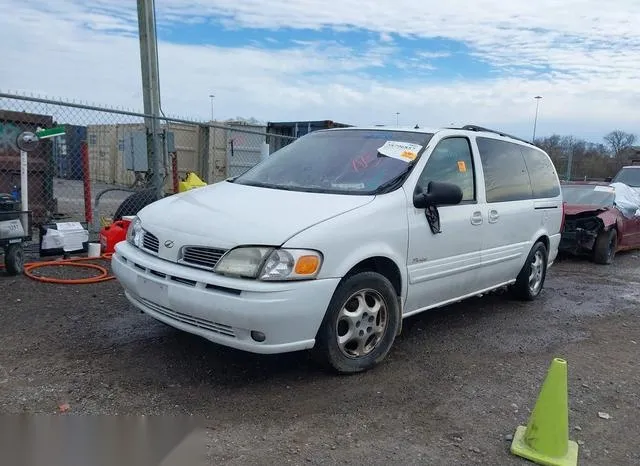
620 142
588 160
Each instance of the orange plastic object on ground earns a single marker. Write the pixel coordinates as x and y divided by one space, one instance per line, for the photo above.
112 235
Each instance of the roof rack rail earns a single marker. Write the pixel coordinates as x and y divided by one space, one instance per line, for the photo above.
500 133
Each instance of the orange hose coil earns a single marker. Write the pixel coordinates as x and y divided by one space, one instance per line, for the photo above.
73 262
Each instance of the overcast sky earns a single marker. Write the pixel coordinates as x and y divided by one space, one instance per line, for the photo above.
352 61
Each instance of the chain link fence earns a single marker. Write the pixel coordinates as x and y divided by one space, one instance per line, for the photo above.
99 169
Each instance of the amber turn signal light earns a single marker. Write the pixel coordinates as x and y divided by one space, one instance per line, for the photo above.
307 265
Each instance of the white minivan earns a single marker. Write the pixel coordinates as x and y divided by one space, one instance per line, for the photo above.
334 239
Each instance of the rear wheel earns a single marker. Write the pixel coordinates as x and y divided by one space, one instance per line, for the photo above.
360 325
605 248
531 279
135 203
14 259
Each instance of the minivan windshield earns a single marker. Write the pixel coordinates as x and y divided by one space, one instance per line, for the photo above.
344 161
628 176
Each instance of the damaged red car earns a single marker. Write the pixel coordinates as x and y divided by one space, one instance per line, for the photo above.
599 220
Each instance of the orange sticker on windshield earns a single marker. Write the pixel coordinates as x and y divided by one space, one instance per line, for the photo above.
462 167
409 155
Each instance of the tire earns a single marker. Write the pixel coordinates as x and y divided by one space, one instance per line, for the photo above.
536 264
135 203
14 259
359 294
605 248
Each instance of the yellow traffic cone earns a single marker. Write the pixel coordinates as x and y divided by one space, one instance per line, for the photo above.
545 439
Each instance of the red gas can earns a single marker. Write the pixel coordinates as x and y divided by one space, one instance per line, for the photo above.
112 235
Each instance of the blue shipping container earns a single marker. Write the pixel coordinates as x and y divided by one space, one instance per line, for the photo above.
296 129
67 152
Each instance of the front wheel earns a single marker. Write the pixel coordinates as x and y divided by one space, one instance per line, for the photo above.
360 325
531 278
14 259
605 248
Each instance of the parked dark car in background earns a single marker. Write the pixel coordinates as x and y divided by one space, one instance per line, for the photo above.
600 220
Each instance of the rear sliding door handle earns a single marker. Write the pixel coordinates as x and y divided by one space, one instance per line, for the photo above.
493 216
476 218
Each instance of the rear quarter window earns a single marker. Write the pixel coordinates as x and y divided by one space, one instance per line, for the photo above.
544 180
505 173
628 176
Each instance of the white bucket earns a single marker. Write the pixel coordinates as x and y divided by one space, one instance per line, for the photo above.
94 249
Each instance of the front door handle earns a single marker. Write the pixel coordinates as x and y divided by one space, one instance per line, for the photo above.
493 216
476 218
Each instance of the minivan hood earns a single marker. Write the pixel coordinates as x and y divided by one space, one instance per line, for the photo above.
225 214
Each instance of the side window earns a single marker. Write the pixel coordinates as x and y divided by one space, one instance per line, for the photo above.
451 161
505 174
542 173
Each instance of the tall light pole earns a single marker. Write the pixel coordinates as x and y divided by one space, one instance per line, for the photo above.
211 96
397 119
535 121
151 92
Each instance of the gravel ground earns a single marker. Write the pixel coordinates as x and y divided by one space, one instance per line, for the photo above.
457 383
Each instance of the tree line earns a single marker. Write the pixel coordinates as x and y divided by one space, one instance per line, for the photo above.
579 159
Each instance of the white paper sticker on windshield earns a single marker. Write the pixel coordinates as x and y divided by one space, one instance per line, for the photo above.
348 186
404 151
607 189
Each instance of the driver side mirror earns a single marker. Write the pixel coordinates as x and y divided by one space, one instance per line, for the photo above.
438 194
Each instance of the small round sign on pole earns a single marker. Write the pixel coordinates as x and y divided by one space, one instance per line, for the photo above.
27 141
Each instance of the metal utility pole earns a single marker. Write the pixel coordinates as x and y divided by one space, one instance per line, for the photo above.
397 119
535 121
151 91
211 96
570 162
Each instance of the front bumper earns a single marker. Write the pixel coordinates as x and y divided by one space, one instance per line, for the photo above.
221 309
577 241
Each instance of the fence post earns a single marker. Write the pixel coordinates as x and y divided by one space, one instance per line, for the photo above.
264 151
86 181
204 136
174 173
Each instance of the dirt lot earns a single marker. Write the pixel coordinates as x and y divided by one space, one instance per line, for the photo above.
456 384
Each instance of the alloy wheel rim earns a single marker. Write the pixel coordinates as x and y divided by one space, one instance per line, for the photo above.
361 323
536 273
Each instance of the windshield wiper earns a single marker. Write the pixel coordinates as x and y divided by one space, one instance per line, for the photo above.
390 185
296 188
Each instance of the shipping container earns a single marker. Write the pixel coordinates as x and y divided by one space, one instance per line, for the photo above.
107 157
243 149
296 129
67 152
40 162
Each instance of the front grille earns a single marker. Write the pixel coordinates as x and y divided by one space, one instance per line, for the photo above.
150 242
204 324
202 256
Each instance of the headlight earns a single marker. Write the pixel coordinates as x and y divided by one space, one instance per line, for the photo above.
266 263
135 232
291 264
243 262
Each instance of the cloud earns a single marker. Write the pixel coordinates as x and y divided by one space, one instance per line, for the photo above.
386 37
582 56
